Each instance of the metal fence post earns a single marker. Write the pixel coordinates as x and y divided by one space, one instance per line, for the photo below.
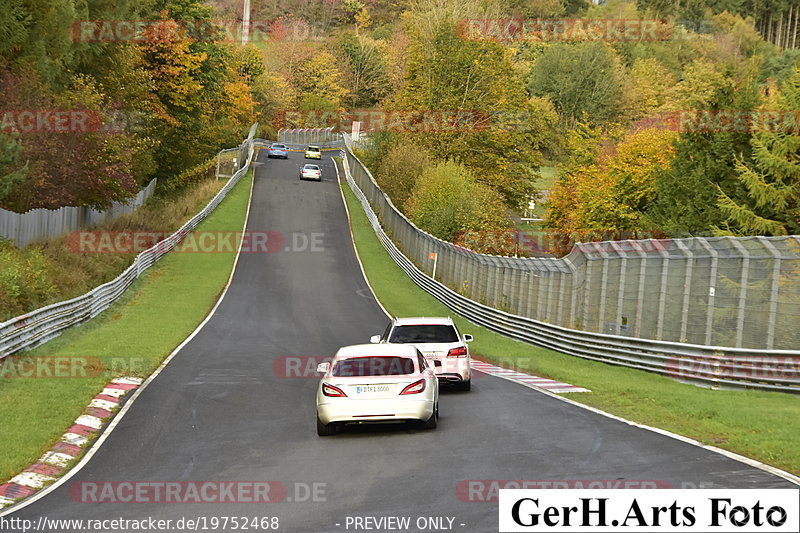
687 284
742 289
621 289
637 328
773 294
711 287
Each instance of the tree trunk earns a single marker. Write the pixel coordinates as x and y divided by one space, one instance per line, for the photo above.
780 29
794 34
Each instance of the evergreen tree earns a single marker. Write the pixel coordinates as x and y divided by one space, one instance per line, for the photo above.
705 163
11 172
772 203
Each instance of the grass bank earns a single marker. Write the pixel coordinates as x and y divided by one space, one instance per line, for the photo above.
761 425
130 338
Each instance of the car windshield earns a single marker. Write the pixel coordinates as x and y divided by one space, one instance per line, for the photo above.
424 333
374 366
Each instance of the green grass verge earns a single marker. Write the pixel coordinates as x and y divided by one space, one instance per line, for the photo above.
133 336
761 425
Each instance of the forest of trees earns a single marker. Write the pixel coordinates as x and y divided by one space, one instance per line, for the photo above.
592 109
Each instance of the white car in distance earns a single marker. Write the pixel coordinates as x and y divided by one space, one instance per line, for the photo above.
439 341
369 383
311 172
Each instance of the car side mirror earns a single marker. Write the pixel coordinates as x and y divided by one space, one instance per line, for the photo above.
323 367
375 339
467 338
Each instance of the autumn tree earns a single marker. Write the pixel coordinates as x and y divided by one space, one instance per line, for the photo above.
398 171
607 197
448 73
584 81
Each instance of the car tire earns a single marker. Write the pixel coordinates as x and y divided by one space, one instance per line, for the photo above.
325 430
465 386
433 420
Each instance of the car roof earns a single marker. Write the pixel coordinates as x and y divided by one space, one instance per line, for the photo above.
279 144
376 350
310 165
310 146
423 320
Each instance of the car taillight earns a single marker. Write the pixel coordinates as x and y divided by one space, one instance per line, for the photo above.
415 388
330 390
461 351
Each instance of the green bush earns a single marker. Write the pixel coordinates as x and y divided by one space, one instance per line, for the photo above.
447 200
399 170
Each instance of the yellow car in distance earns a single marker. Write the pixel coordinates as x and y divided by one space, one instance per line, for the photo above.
313 152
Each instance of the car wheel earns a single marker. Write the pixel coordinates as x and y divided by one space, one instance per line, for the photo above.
433 420
465 385
325 430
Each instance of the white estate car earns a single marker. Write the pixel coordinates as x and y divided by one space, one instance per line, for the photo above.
310 172
439 341
369 383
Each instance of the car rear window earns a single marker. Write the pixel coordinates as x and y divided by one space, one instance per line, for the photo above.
313 148
374 366
279 146
423 333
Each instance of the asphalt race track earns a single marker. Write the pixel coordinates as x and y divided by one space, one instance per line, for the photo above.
219 412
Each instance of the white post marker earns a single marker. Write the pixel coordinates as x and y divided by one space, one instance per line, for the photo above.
435 257
246 22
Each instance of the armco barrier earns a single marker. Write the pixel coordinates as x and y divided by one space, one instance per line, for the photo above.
710 366
34 328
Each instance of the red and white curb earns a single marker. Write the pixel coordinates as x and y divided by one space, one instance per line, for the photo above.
54 462
526 379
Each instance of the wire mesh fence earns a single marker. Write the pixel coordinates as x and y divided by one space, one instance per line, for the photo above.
724 291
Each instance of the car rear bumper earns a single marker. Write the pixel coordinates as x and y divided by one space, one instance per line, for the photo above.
344 410
452 369
452 378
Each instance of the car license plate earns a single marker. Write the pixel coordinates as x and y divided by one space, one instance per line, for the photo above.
372 389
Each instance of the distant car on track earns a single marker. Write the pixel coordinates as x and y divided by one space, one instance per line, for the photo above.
311 172
376 383
313 152
278 150
439 341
